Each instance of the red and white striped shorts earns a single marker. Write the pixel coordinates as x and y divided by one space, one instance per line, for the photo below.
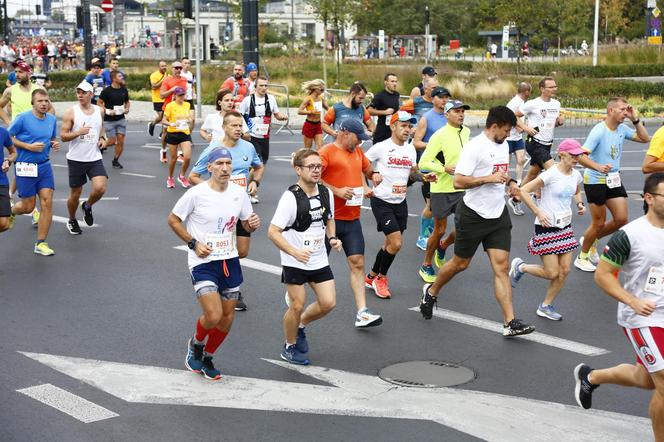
647 342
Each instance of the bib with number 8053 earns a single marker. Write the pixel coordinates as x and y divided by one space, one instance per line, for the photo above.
613 180
222 245
655 281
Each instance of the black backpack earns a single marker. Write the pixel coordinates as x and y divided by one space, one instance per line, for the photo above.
303 217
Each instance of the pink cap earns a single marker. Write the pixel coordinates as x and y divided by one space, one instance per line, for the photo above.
571 146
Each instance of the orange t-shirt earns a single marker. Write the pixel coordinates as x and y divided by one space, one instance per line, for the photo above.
168 83
342 168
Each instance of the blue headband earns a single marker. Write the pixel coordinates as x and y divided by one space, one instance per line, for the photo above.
219 153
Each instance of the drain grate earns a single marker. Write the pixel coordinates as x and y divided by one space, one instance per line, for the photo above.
426 374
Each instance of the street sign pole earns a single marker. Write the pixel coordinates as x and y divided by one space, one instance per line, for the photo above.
87 34
596 35
199 109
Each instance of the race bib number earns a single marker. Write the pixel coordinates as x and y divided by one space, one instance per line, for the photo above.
240 180
314 242
613 180
501 167
563 218
318 106
262 129
27 169
182 125
399 189
358 196
118 110
222 245
98 91
655 281
90 137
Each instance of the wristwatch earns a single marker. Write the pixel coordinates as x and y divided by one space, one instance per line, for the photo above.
192 244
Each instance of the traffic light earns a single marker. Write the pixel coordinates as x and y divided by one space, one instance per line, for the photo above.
188 8
79 17
38 9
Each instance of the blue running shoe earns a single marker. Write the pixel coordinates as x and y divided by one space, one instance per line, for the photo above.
421 243
194 359
208 370
548 312
292 354
515 271
428 274
301 343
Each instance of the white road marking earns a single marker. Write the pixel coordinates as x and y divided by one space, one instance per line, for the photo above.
249 263
540 338
151 146
64 166
486 416
68 403
140 175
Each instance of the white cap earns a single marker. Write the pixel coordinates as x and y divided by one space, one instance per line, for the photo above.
85 86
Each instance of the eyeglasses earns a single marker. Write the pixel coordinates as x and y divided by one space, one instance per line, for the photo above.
313 167
653 194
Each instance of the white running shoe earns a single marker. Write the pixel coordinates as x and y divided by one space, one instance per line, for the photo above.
584 264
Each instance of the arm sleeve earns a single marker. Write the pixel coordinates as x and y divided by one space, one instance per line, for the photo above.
617 249
428 160
286 211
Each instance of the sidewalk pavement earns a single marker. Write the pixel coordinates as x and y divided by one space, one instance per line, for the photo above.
143 111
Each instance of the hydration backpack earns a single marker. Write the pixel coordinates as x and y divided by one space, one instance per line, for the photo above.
303 217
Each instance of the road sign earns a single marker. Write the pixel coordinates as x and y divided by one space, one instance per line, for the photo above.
655 40
656 12
107 5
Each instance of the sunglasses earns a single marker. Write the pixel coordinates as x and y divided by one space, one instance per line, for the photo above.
177 67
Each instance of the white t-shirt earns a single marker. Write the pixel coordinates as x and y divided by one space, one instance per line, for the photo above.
211 216
542 115
514 105
84 148
259 126
482 157
394 163
191 81
214 124
557 194
314 236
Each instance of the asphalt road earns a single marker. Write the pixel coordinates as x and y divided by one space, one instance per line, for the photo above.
120 292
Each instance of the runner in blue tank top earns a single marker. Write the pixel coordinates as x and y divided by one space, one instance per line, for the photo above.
350 107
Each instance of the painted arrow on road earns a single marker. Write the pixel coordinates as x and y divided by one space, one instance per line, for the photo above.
488 416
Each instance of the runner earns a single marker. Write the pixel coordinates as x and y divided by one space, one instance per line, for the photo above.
601 179
6 217
244 157
516 143
351 107
213 126
39 75
440 158
115 102
481 216
640 312
300 236
95 78
252 75
114 66
83 128
190 96
34 135
156 80
344 169
553 239
237 84
395 160
383 105
428 73
205 218
313 106
178 119
654 159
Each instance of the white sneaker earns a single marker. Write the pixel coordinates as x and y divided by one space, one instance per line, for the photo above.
365 319
254 199
593 256
584 264
515 206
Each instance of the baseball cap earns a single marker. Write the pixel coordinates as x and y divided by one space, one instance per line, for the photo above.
440 91
252 67
455 104
85 86
179 91
570 146
430 71
23 66
221 152
94 60
356 127
403 116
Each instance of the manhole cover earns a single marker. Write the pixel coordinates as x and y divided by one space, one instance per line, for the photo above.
426 374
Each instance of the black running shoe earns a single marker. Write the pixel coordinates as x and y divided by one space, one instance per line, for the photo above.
151 129
427 302
516 327
117 165
240 306
73 227
208 370
87 211
583 390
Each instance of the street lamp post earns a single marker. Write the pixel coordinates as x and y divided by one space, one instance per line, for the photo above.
596 35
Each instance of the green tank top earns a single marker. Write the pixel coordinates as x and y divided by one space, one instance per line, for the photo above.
21 100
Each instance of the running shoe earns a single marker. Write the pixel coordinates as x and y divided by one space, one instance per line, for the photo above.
87 213
170 182
427 302
583 390
593 255
516 327
515 271
180 156
421 243
12 218
516 206
427 273
194 359
163 156
116 164
208 370
301 343
548 312
584 264
151 129
35 217
43 249
292 354
438 258
368 281
365 318
380 287
73 227
240 306
254 199
184 182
